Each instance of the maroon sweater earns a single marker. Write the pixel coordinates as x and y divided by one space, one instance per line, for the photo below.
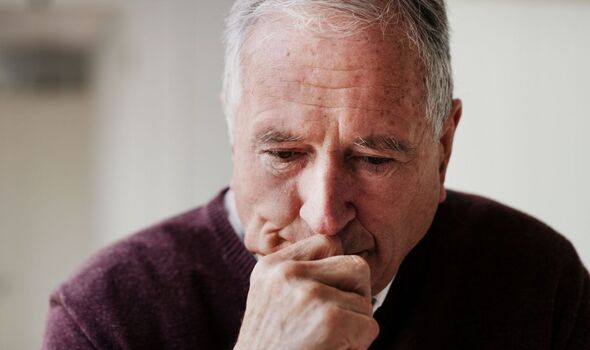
484 277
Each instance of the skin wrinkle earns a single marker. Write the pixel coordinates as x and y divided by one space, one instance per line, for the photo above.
264 112
394 92
328 107
337 69
375 94
397 92
355 113
320 86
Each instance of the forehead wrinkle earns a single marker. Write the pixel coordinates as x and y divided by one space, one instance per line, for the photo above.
335 69
317 105
319 85
317 74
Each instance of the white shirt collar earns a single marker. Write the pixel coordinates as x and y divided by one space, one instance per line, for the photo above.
379 298
232 215
229 201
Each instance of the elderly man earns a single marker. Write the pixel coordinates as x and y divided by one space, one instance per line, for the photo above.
337 231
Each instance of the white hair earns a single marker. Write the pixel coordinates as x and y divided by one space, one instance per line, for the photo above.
424 22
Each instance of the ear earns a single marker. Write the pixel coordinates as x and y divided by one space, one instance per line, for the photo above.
233 161
446 144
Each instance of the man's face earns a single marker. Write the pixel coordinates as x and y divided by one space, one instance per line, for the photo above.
331 138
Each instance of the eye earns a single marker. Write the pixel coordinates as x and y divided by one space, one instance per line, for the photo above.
283 160
375 165
376 160
284 156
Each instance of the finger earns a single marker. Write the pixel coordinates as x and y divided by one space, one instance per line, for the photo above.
361 331
353 302
354 330
349 273
312 248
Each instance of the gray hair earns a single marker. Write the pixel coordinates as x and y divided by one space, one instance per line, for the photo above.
425 24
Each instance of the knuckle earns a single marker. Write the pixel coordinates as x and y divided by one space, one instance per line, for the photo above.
312 292
365 305
332 316
289 270
308 294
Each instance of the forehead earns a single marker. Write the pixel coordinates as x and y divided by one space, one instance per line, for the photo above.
280 39
373 74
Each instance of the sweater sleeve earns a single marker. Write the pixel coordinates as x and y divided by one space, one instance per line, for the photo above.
580 338
572 309
62 332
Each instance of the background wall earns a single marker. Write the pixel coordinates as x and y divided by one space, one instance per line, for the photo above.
522 71
140 135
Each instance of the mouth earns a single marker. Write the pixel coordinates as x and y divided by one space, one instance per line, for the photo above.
358 244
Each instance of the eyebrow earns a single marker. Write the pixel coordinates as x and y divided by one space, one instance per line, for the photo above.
385 143
274 136
378 143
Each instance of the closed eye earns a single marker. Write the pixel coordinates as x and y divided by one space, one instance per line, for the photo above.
375 165
376 160
283 160
284 156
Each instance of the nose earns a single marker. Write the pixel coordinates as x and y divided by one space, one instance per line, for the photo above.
326 195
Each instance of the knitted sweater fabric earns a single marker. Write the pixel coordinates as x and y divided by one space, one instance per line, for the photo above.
483 277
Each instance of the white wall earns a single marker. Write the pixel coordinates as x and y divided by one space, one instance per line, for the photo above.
44 205
79 170
521 68
161 144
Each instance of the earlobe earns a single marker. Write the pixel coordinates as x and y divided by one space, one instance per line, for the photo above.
446 144
442 195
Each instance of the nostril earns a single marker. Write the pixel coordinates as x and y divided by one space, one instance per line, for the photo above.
327 220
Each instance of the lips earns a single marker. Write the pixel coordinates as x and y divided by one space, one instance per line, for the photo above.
357 241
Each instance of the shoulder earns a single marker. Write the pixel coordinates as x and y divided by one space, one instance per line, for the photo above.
512 267
498 246
494 225
165 273
160 250
146 262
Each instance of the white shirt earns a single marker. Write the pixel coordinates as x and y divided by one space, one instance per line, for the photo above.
230 205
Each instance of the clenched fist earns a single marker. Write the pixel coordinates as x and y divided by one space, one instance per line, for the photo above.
309 296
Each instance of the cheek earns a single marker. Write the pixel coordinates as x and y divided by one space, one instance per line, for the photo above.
261 196
399 210
421 204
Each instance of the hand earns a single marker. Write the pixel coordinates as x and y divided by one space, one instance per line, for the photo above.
309 296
